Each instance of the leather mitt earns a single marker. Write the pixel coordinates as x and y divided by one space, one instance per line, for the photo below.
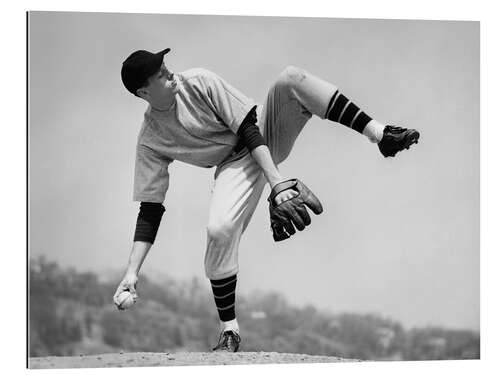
291 214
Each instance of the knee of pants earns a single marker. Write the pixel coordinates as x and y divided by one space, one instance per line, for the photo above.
220 230
221 259
290 77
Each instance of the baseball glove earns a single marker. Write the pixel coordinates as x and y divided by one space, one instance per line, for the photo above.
292 213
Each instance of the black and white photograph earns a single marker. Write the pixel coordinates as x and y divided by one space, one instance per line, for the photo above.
240 190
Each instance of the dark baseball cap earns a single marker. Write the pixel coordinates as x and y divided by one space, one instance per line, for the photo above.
139 66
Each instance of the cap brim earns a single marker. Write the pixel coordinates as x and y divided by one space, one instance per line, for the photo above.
164 52
157 61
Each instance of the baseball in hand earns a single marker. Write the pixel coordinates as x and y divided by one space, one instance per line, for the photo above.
125 300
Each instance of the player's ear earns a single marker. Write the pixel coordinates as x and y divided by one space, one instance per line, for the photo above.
143 93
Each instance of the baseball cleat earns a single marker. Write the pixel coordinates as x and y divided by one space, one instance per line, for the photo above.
396 139
229 341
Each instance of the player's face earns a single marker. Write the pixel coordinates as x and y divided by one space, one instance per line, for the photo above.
162 85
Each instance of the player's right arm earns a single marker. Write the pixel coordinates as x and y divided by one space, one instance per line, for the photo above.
150 185
148 222
137 255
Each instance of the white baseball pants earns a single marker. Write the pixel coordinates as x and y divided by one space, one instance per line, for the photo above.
292 100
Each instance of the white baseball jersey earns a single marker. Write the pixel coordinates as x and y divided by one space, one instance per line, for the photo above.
199 129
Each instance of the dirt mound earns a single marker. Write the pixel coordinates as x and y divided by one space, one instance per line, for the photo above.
176 359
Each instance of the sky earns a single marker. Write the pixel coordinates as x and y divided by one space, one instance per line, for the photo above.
398 237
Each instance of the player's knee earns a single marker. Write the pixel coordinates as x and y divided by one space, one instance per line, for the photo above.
291 76
220 230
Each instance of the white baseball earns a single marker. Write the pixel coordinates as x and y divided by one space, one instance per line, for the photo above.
125 300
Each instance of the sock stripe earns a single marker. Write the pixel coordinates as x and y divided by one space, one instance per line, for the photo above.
224 302
343 111
349 113
328 109
226 308
224 292
222 281
355 117
361 121
224 296
223 284
338 107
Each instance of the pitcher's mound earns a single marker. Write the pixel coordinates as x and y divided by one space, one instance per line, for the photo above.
177 359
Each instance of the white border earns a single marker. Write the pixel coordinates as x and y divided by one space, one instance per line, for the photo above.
13 162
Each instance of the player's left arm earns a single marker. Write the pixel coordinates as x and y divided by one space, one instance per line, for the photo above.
289 197
249 134
263 157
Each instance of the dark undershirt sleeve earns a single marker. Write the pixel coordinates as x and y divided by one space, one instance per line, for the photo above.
249 132
148 221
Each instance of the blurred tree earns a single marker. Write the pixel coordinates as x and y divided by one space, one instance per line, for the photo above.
66 305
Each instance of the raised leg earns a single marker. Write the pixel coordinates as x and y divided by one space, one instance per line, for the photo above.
292 100
297 95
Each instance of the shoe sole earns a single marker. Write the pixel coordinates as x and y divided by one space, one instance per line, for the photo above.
410 139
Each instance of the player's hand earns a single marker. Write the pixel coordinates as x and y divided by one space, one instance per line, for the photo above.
128 283
285 195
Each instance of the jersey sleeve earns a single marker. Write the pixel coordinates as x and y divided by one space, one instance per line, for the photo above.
151 177
230 104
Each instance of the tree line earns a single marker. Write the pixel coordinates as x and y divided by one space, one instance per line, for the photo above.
71 313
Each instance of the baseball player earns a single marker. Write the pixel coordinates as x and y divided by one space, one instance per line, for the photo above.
198 118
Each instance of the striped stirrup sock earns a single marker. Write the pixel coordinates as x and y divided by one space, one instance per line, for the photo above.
224 295
342 110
